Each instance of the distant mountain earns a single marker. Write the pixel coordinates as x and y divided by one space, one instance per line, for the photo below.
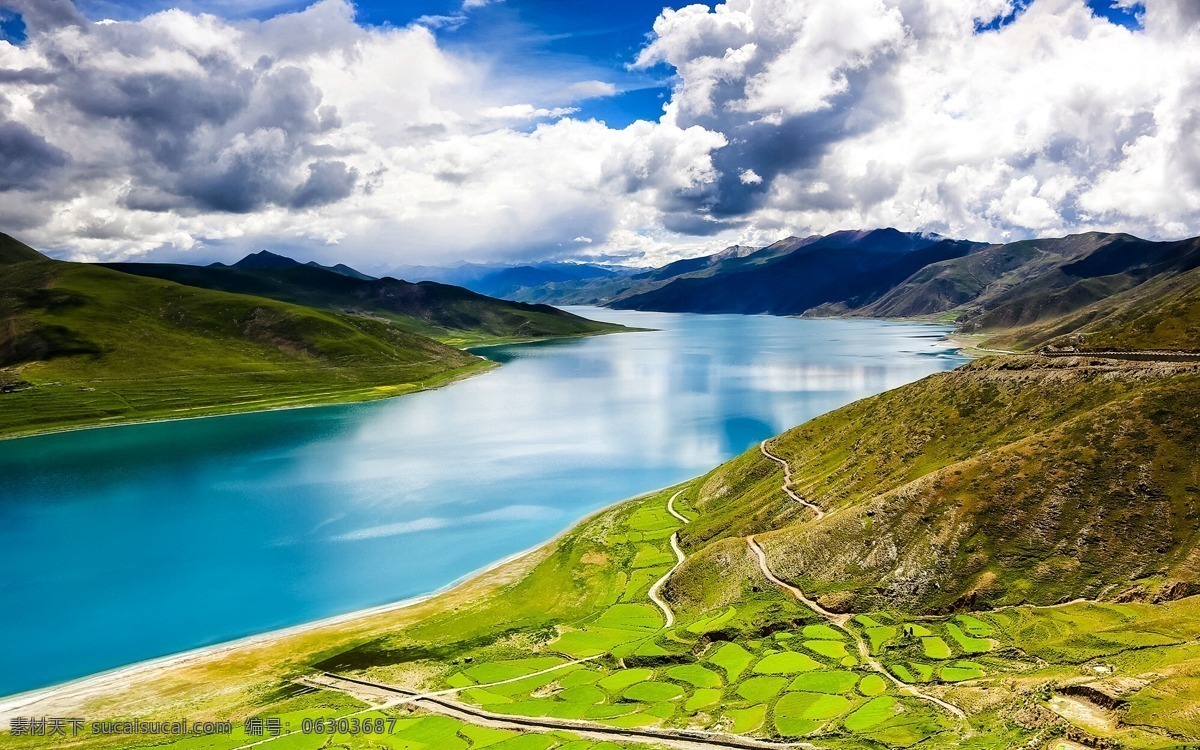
842 268
1086 290
260 260
507 282
266 260
444 312
343 269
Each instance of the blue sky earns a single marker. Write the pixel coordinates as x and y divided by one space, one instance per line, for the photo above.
1127 16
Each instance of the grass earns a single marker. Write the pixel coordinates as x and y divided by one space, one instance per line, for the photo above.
880 636
872 685
503 633
760 689
619 681
871 714
654 692
747 719
935 648
967 643
90 346
695 675
733 658
787 662
960 671
828 649
450 314
825 681
823 632
703 698
902 672
971 458
797 714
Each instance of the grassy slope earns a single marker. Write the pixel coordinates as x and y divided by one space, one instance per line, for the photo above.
1091 290
1006 481
87 345
447 313
1163 313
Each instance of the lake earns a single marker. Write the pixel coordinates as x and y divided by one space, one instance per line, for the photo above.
127 543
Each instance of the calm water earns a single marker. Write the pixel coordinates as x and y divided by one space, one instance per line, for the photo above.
126 543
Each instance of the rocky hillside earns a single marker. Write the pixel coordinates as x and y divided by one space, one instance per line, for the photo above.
1010 480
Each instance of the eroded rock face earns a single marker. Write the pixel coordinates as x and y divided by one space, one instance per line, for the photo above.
1175 590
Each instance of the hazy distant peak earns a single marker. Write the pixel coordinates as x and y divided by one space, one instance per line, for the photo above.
342 269
736 251
265 259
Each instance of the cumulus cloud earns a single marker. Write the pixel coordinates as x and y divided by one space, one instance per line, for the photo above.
377 146
183 129
904 112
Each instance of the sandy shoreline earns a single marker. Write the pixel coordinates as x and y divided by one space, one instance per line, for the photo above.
97 684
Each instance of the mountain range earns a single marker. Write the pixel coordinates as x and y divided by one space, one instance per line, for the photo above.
499 280
1087 290
448 313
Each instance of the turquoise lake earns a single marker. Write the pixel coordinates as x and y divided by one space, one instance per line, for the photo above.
127 543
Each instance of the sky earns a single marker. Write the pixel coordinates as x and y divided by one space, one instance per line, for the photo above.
382 134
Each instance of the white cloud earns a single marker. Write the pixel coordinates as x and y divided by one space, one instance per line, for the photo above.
378 146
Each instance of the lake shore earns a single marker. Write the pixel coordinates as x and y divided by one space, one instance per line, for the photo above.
76 695
333 485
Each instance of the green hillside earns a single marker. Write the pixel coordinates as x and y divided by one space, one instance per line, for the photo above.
1163 313
1007 481
447 313
83 345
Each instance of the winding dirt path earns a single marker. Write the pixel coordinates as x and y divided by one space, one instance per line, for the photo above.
672 511
787 480
680 557
842 621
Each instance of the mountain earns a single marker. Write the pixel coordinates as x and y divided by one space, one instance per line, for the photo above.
267 260
343 269
263 259
789 277
444 312
508 282
81 344
1087 290
15 251
1006 481
849 268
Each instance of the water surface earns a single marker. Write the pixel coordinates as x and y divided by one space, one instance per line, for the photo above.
127 543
